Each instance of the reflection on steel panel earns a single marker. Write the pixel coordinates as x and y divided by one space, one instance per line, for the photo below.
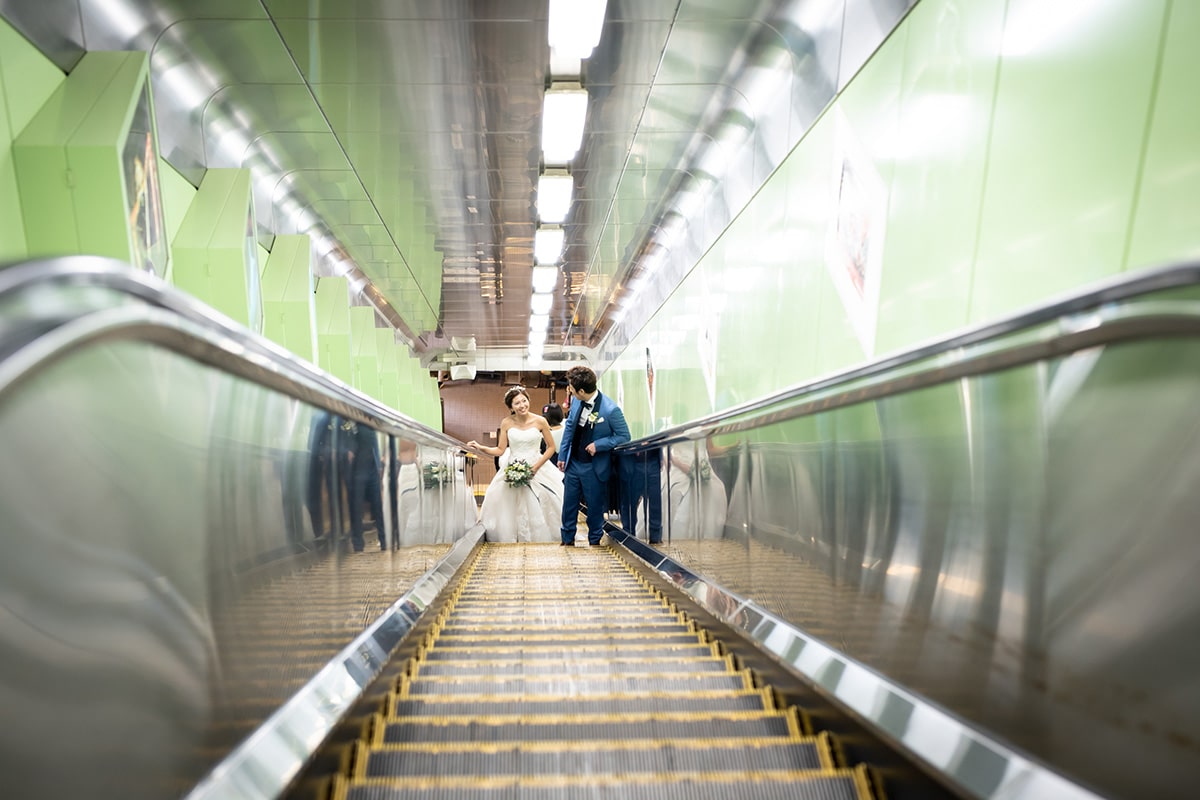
1015 545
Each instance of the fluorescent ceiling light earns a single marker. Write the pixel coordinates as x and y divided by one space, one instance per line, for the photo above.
545 278
575 26
537 338
541 303
547 245
563 115
539 322
554 197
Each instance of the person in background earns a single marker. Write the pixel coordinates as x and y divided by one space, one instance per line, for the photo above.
594 426
553 414
363 484
641 482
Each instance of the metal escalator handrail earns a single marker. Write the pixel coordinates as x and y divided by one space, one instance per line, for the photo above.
1086 319
181 323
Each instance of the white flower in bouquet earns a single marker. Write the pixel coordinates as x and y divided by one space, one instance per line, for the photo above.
518 473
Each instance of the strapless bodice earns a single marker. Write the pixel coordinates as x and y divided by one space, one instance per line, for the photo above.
525 444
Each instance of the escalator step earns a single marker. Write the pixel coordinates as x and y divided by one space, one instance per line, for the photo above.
725 701
476 730
632 649
564 666
594 758
582 639
578 623
569 686
826 785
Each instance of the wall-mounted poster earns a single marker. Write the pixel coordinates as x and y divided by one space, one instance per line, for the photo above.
142 195
854 243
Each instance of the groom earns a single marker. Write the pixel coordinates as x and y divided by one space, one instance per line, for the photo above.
594 426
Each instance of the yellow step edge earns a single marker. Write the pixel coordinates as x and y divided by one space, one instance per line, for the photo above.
413 669
458 720
573 637
518 697
676 675
858 779
405 683
596 623
584 746
551 647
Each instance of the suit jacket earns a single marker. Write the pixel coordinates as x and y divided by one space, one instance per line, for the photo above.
609 431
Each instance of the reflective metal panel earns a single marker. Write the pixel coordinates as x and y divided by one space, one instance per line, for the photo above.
1014 545
185 562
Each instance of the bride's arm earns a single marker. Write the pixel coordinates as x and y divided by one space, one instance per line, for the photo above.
502 442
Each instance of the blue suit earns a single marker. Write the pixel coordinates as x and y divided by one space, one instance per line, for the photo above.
588 479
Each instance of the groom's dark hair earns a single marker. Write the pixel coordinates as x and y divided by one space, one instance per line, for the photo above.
582 378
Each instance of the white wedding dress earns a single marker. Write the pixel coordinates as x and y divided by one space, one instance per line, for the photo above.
530 513
697 497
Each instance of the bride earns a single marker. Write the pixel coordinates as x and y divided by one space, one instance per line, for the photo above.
531 512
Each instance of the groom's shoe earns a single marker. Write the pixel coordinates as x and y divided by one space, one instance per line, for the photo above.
566 544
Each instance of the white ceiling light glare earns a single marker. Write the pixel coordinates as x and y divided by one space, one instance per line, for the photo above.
575 26
564 111
545 278
537 338
548 245
554 196
539 322
541 303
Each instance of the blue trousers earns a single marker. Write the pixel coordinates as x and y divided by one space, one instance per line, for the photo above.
580 485
641 478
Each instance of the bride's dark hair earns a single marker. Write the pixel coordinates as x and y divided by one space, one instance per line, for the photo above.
512 393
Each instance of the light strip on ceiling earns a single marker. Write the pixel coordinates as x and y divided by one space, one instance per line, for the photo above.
544 278
564 112
554 197
547 245
575 26
541 303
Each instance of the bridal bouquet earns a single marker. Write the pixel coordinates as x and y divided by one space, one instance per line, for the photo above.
436 474
704 469
518 473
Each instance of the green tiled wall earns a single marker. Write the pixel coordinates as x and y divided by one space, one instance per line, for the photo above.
1023 151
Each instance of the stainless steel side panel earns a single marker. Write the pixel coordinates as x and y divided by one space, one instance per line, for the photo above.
1017 547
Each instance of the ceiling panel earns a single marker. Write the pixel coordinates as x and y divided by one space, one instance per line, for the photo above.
404 136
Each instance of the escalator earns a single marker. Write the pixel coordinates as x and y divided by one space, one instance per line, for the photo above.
559 672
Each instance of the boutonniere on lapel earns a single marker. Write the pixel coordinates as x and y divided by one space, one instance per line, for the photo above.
592 419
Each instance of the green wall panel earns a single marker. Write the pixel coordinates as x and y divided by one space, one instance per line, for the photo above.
177 196
69 161
27 80
215 255
332 307
28 77
947 93
1071 112
1168 206
364 345
287 295
1012 139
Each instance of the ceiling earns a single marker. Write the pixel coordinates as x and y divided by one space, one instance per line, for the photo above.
404 137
